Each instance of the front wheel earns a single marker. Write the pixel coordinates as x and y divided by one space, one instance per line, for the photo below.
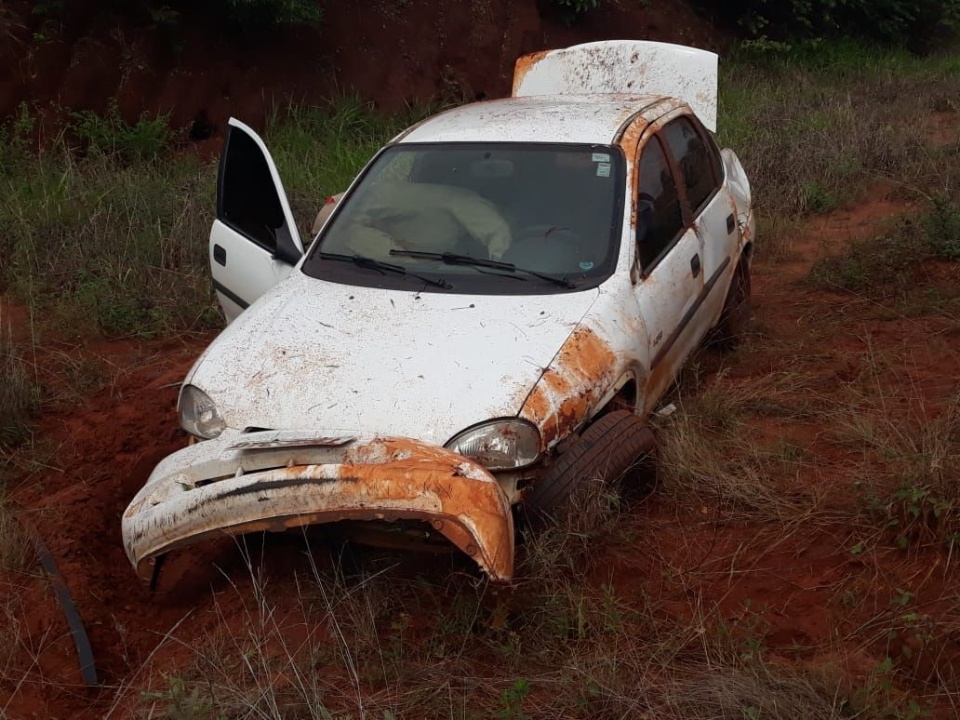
614 450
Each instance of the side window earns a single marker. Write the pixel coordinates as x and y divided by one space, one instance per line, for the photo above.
695 160
659 220
248 198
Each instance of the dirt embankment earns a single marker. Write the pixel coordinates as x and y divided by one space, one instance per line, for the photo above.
389 52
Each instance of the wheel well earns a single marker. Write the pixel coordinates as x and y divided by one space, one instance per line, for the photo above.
625 399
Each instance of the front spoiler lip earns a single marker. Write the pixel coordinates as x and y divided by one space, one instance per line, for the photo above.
196 493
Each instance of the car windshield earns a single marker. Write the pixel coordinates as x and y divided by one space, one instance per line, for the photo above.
501 218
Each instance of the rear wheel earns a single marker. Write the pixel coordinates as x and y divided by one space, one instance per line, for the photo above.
614 451
736 309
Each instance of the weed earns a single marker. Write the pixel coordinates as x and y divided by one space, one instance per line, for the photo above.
108 134
941 230
512 699
910 466
17 393
16 551
893 263
863 117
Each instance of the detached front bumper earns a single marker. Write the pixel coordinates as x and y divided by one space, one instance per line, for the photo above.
281 480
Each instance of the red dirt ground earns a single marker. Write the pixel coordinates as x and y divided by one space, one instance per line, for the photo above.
816 601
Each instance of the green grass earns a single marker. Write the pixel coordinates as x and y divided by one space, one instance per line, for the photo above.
818 125
380 645
108 232
111 236
895 263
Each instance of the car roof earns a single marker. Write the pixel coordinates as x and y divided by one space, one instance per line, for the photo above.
591 119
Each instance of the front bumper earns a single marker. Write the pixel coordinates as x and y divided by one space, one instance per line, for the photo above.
281 480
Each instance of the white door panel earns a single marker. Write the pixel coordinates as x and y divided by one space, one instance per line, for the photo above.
720 233
239 263
254 242
668 299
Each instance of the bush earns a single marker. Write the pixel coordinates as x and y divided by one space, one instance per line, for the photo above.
570 10
891 263
915 23
257 14
941 230
108 134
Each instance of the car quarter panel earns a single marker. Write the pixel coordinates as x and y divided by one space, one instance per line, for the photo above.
605 352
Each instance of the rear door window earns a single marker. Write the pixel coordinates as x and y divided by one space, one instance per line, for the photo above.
695 160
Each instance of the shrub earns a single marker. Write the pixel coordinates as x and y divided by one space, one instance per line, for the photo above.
941 230
255 14
916 23
570 10
16 392
891 263
109 134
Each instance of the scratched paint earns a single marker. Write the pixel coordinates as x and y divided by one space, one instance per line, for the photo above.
571 387
624 67
377 479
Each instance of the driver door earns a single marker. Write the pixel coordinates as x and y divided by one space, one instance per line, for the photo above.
254 242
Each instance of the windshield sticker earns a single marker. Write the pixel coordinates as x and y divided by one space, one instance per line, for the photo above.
601 157
603 170
586 265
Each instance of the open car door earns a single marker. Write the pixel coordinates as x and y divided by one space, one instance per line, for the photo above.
254 242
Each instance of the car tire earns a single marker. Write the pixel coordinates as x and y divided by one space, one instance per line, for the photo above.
615 451
736 310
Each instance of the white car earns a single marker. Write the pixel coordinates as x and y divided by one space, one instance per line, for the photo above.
484 320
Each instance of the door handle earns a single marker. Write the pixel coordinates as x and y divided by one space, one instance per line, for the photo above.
731 224
220 255
695 265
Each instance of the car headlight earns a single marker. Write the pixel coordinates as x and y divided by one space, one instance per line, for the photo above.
198 415
499 445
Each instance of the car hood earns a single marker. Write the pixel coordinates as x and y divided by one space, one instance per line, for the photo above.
342 359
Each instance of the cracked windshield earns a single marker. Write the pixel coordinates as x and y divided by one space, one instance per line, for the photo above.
487 214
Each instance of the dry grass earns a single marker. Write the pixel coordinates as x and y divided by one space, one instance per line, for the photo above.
16 390
863 118
381 645
710 453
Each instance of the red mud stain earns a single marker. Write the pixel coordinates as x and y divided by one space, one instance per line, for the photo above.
570 388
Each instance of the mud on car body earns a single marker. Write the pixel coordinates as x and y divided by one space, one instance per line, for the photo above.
485 317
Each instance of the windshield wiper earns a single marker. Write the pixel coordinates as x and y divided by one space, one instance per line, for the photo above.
455 259
373 264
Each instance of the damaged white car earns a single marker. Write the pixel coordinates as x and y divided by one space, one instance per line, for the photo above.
484 320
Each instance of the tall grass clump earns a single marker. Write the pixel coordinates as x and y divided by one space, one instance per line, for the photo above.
17 395
381 644
111 235
114 240
819 123
893 262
